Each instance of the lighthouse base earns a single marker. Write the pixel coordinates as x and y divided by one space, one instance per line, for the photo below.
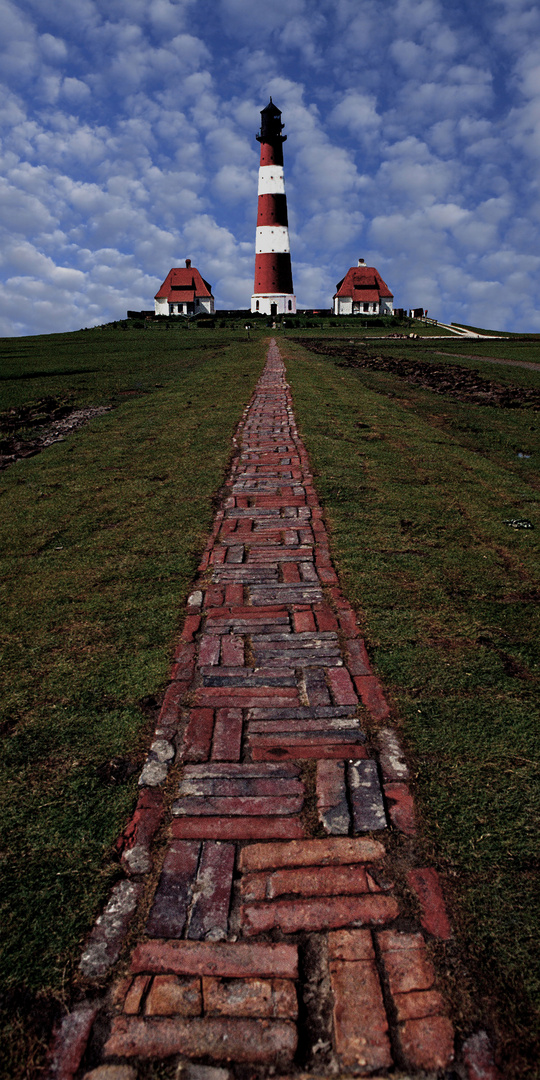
273 303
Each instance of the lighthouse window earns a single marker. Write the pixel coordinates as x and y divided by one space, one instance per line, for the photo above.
257 305
290 305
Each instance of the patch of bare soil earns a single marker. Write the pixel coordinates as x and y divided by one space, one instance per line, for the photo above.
460 382
29 429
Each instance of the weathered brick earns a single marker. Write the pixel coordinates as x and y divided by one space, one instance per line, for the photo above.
232 650
418 1003
255 828
316 689
198 735
370 691
228 959
209 649
135 840
250 997
221 1038
135 994
227 740
109 931
330 852
111 1072
350 945
238 805
240 771
243 697
366 796
239 786
234 593
401 808
478 1058
70 1039
305 881
326 620
393 764
303 621
174 995
212 893
169 910
341 687
360 1024
427 1043
426 884
332 806
347 622
290 572
357 657
309 750
408 969
170 709
291 916
190 627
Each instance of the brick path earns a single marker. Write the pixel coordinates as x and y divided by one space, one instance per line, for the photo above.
279 933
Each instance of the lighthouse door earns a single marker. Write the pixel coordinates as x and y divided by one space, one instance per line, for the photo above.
273 309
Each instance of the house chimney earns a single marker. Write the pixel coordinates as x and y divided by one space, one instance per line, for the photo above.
361 262
188 264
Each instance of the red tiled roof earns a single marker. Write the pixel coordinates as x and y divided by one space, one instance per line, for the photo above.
183 283
363 283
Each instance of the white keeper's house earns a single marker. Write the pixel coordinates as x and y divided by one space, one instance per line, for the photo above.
363 292
184 292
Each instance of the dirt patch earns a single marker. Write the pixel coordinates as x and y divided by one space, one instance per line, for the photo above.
460 382
29 429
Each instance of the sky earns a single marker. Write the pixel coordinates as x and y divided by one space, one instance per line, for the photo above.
128 145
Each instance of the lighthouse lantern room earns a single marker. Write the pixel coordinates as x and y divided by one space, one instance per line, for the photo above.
273 289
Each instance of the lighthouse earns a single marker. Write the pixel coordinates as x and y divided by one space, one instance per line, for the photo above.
273 289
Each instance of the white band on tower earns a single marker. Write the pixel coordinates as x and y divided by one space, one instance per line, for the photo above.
272 238
271 180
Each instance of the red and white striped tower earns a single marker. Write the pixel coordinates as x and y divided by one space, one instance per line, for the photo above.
273 291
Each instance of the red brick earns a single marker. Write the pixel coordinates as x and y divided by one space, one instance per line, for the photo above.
327 576
227 740
290 572
250 997
144 823
217 556
135 994
252 807
409 969
305 751
183 672
70 1039
228 959
221 1038
330 852
303 621
332 805
170 709
184 652
347 622
396 941
244 697
209 649
214 596
198 735
360 1024
291 916
172 995
169 909
478 1058
234 594
190 627
427 1043
341 687
372 696
358 659
418 1003
212 893
232 650
401 808
326 620
308 881
426 884
350 945
272 828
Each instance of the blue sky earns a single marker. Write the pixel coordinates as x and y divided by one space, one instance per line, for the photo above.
128 144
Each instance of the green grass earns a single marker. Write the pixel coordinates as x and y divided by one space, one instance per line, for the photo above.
101 536
416 488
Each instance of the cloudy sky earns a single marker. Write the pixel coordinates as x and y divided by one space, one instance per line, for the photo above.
128 144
